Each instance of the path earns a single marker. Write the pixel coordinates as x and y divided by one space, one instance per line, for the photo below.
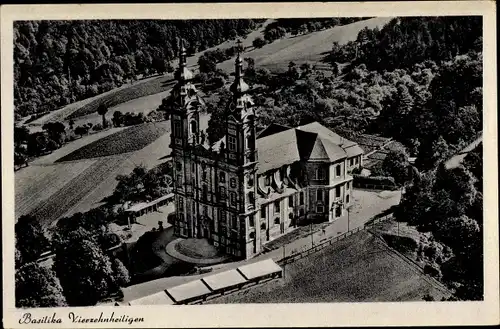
457 159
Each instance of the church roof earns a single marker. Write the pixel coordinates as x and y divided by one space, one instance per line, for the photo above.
312 142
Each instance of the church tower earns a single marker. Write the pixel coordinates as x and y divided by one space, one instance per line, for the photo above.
241 152
184 108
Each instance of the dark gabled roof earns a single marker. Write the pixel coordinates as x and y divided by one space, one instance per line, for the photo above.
273 128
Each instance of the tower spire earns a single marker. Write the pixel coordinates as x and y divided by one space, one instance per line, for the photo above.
239 86
183 74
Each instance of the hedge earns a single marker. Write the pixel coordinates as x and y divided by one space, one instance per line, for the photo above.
375 180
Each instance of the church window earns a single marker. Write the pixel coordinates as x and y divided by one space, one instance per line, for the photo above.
177 128
232 182
194 127
251 198
250 142
222 177
320 209
347 198
222 192
234 221
320 173
319 195
301 198
251 221
263 212
276 206
301 212
179 179
290 201
337 170
277 220
231 143
223 217
250 181
205 193
233 199
252 235
263 226
205 210
337 191
204 175
338 212
178 166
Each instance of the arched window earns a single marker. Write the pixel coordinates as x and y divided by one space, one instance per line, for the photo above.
347 198
252 235
263 226
301 212
251 198
277 220
250 181
194 127
320 173
222 177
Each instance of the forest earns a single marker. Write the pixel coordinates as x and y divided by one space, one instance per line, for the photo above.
59 62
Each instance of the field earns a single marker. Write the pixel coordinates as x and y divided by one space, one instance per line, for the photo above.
311 47
360 268
150 87
58 204
127 140
36 184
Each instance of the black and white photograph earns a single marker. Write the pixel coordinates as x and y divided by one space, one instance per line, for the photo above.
326 159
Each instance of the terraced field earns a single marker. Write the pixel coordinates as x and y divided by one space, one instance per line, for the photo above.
127 140
36 184
74 190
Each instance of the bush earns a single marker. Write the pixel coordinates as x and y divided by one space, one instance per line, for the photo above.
374 180
402 244
97 127
432 271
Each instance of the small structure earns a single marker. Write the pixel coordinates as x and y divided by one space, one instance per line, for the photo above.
225 281
194 291
143 208
263 270
160 298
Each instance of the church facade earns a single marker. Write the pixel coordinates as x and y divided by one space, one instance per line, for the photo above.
248 188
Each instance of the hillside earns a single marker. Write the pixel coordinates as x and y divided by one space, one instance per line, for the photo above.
59 62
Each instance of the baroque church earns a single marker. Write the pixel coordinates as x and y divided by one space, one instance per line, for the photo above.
248 189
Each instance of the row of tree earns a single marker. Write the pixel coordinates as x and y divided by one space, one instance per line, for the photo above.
58 62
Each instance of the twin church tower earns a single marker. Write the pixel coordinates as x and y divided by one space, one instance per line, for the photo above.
244 191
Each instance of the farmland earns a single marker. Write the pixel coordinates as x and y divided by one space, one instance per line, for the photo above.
66 197
36 184
152 86
311 47
360 268
127 140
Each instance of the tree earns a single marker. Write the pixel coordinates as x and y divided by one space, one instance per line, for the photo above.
102 109
117 118
21 135
83 269
55 131
37 286
396 165
206 65
258 42
121 273
31 240
81 130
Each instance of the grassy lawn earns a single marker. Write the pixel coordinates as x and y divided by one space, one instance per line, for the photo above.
128 140
149 87
360 268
